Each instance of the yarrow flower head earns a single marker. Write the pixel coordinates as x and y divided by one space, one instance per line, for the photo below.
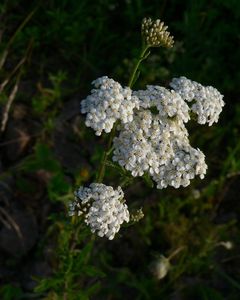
108 102
155 34
103 208
207 101
152 137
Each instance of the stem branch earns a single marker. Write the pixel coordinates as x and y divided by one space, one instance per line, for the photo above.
101 173
141 58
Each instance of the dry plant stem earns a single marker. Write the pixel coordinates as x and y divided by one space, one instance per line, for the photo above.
8 106
15 88
176 252
12 223
6 81
5 223
132 79
21 26
18 140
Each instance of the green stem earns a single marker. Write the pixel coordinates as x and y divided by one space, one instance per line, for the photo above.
101 173
140 59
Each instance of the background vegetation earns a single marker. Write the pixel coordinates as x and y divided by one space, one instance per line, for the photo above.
50 51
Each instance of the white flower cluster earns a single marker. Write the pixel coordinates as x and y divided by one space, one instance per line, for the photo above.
186 163
153 138
103 208
168 102
108 102
159 146
208 102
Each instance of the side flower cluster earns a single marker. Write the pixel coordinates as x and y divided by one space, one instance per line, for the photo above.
108 102
168 102
207 101
103 208
152 136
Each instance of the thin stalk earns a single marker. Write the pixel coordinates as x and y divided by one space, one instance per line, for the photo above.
101 172
175 252
140 59
21 26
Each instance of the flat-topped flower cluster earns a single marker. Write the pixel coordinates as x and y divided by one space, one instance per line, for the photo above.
152 136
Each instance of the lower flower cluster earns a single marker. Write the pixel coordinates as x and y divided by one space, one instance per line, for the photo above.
103 208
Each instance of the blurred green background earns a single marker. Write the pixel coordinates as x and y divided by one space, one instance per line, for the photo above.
50 51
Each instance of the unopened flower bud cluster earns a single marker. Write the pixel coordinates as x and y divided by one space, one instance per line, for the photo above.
155 34
160 267
103 208
155 143
137 215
